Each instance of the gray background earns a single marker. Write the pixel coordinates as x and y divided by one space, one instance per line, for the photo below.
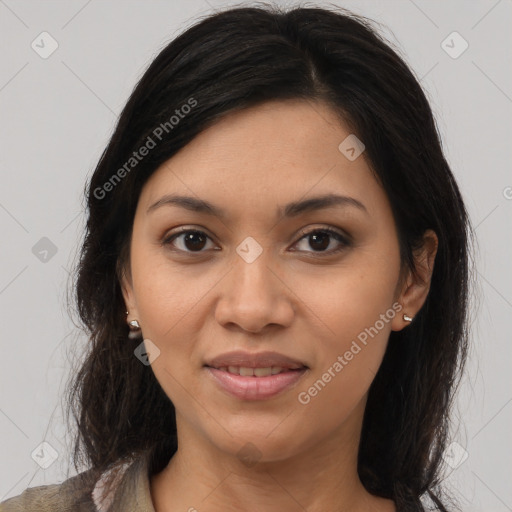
57 115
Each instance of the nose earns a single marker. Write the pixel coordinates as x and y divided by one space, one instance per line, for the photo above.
254 297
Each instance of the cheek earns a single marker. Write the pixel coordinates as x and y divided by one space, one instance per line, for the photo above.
174 302
167 293
356 306
350 298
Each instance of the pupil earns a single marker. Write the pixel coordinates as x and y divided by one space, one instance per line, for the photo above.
191 241
315 238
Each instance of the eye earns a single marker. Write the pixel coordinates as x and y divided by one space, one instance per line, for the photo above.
320 239
189 240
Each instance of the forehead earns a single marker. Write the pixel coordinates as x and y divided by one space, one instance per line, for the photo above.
293 130
276 152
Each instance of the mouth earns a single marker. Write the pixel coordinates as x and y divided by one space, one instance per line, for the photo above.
247 362
259 376
245 371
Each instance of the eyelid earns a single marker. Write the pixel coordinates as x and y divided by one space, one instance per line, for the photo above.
328 229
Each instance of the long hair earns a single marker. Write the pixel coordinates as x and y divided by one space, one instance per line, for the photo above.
227 62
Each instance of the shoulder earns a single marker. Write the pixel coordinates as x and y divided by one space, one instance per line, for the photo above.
72 494
89 491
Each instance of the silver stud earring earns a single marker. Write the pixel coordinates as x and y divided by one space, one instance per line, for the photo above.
407 318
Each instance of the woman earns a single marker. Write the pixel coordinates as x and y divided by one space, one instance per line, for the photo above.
274 280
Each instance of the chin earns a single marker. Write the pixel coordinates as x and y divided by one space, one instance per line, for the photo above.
254 445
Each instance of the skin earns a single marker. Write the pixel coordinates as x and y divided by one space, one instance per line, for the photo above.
295 299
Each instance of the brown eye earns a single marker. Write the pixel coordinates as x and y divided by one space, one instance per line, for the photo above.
320 239
188 240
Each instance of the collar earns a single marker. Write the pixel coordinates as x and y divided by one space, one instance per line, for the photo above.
126 486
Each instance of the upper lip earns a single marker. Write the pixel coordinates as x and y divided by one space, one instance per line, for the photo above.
255 360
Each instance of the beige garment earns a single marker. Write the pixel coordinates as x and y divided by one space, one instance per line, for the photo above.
130 492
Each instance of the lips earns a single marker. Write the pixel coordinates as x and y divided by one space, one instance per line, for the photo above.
240 359
258 376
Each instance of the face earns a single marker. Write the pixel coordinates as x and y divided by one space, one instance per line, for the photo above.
314 284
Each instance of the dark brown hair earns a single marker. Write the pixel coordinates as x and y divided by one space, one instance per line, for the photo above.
226 62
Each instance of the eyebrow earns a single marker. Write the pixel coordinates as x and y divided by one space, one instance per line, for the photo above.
290 210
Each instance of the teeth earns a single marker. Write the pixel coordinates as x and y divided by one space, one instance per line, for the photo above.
262 372
252 372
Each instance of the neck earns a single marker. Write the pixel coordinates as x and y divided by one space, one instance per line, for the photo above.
201 477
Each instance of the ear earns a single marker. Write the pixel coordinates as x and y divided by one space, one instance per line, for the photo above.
414 292
128 294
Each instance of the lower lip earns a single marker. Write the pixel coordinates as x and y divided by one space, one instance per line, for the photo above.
255 388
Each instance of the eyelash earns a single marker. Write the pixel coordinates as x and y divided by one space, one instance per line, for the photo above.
342 239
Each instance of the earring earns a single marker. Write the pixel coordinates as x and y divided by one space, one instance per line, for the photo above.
134 329
407 318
